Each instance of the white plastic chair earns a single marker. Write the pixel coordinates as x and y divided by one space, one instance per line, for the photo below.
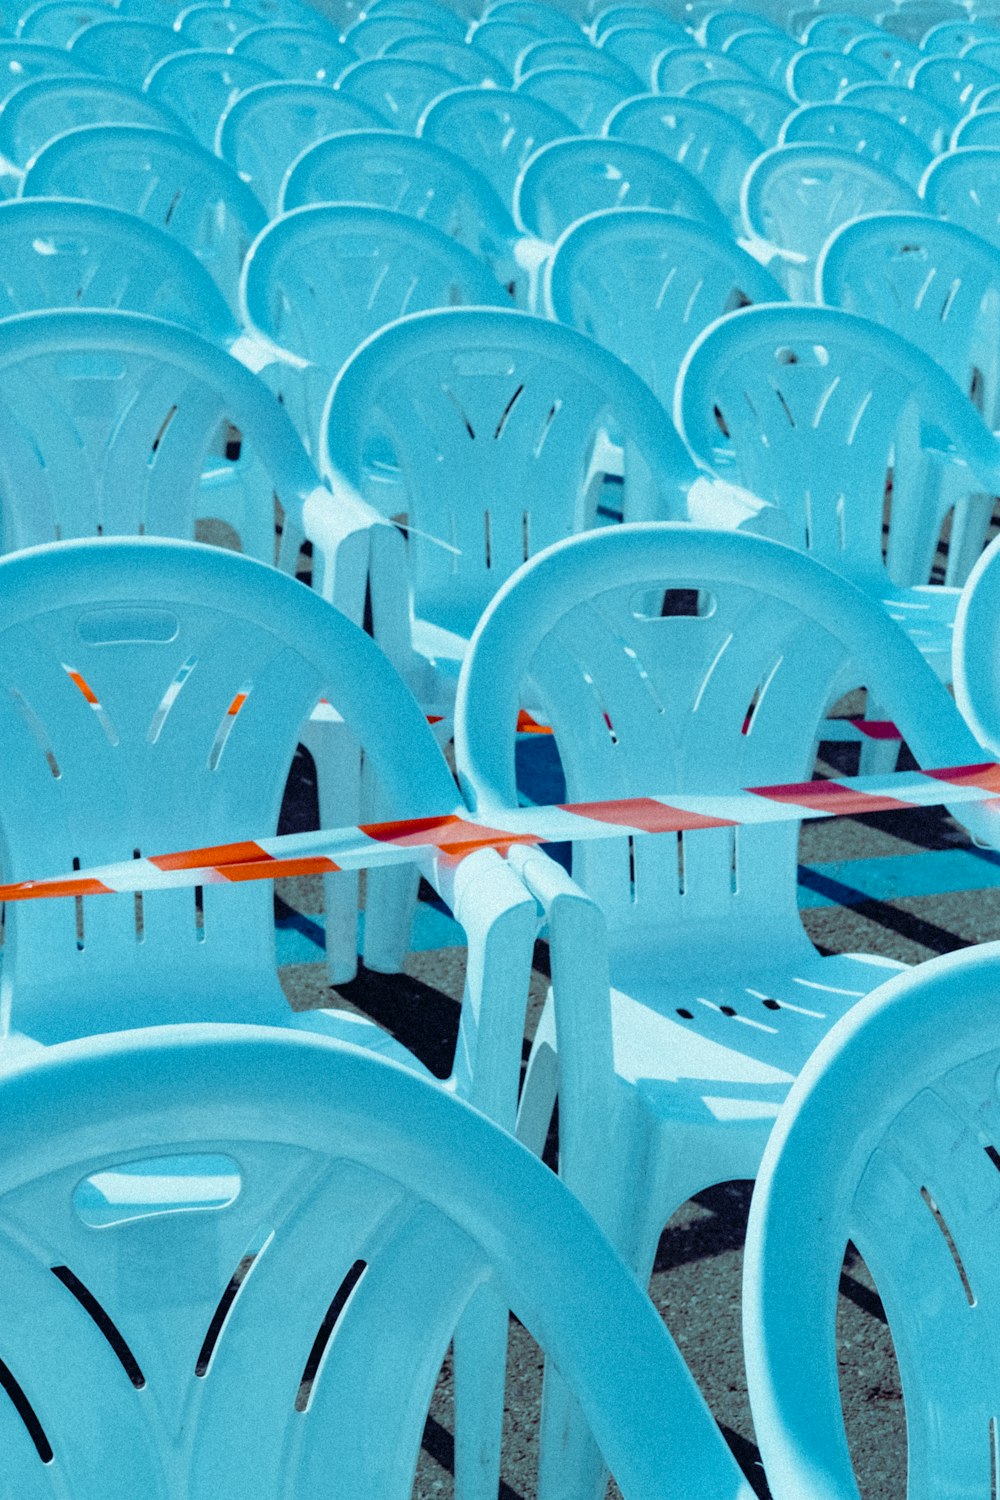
922 116
963 186
643 283
200 86
567 179
503 40
56 21
168 180
341 1177
843 402
638 47
372 32
765 52
705 140
900 1160
892 57
873 136
795 196
494 130
320 280
22 61
268 126
45 107
981 128
296 52
63 252
123 48
680 67
213 26
586 97
723 23
388 170
400 89
563 53
698 662
954 83
759 108
937 285
466 63
818 75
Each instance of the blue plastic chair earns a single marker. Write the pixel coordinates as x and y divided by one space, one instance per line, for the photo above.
638 47
320 280
124 48
587 98
795 196
937 285
62 252
954 83
45 107
843 402
875 137
367 1178
168 180
296 52
901 1162
503 40
706 141
673 1040
494 130
892 57
268 126
216 27
759 108
680 67
981 128
567 179
818 76
963 186
22 61
200 86
388 170
397 88
765 52
922 116
56 21
643 283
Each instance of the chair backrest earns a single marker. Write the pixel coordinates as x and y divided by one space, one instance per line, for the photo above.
759 108
388 170
953 82
643 283
672 660
795 196
493 418
680 67
56 21
504 40
213 26
372 32
922 116
842 401
567 179
563 53
963 186
638 47
124 48
494 130
931 281
546 18
954 38
342 1178
818 75
874 136
268 126
839 30
987 51
320 280
45 107
892 57
705 140
200 86
719 25
982 128
22 61
63 252
640 16
587 98
154 693
467 63
888 1139
765 52
168 180
400 89
296 52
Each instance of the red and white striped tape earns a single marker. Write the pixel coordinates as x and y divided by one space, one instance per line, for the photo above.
455 835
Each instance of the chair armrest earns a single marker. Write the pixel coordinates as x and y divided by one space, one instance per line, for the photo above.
722 505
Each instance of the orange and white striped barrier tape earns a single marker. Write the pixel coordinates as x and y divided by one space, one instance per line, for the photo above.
455 835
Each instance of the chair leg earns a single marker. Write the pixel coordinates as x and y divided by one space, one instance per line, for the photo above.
337 759
480 1377
390 902
541 1084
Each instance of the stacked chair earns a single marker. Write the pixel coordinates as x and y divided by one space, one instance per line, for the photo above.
628 375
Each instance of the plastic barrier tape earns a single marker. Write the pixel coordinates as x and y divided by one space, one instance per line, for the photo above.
455 835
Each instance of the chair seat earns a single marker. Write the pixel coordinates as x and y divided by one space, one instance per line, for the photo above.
346 1026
